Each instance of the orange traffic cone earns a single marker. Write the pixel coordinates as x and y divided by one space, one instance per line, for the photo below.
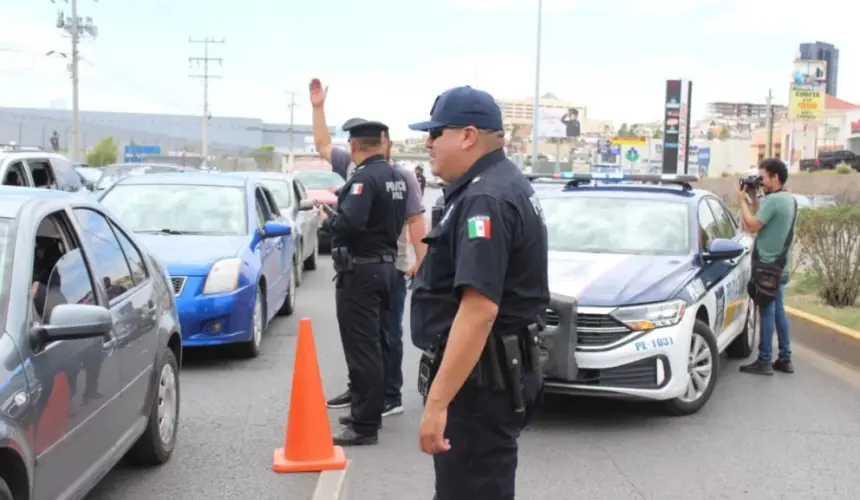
308 446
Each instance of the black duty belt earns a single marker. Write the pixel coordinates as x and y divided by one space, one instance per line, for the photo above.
376 259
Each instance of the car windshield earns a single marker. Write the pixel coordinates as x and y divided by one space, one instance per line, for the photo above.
617 225
90 174
319 179
281 191
179 208
115 173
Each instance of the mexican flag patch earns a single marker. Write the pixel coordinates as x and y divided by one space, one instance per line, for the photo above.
357 188
479 227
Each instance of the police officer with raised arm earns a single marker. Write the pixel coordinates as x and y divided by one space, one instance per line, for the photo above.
365 229
480 297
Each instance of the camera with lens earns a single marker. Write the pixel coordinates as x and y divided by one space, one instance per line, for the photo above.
750 183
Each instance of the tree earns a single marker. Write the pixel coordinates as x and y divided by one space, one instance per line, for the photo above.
658 134
103 153
724 133
623 131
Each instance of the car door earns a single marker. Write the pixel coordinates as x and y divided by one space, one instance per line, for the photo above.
17 175
269 261
735 290
76 387
311 220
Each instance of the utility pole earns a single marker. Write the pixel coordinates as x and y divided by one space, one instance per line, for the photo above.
206 77
292 107
76 27
536 117
769 148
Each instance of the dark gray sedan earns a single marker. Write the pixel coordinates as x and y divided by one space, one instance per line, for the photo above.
90 349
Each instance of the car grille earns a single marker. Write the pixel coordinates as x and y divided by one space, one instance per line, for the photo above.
178 284
640 374
593 330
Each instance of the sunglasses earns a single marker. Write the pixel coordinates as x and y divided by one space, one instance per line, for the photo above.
437 132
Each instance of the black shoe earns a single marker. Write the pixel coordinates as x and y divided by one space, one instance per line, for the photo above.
341 401
347 420
758 368
784 366
392 408
347 436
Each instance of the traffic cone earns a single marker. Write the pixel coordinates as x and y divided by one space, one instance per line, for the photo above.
308 445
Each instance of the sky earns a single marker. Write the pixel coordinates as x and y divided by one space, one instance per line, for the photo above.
389 59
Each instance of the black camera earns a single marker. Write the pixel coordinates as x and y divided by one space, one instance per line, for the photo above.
750 183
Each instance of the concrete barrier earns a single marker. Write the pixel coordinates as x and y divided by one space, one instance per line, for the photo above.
825 337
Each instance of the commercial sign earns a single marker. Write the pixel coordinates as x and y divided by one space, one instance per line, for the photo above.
809 75
676 126
806 105
852 120
552 125
135 153
629 141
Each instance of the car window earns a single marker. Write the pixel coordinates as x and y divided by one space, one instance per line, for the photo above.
69 283
319 179
68 179
726 227
301 194
281 191
132 256
270 200
263 207
42 173
105 253
15 175
182 208
707 225
614 225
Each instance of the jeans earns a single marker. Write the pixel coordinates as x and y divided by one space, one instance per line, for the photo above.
392 328
773 317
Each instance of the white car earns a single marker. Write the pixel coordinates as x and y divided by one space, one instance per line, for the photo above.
649 287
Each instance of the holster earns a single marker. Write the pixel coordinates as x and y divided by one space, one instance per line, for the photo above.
342 260
428 366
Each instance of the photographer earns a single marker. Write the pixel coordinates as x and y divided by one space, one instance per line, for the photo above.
773 224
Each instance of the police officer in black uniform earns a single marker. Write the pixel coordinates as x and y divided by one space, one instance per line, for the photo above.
480 297
370 215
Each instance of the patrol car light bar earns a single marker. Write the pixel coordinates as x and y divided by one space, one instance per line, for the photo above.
575 179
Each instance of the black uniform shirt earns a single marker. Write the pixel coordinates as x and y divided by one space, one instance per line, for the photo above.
371 207
491 237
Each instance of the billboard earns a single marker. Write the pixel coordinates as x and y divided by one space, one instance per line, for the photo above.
676 126
809 75
559 123
806 104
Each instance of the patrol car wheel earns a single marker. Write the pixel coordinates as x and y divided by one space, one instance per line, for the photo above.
702 364
5 492
744 345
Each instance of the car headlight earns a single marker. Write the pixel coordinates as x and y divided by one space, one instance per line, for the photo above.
224 276
650 316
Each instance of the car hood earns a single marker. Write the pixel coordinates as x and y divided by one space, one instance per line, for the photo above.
192 255
322 196
607 280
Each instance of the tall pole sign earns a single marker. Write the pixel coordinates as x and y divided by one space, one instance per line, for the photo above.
676 126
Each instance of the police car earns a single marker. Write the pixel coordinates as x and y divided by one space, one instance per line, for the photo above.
648 278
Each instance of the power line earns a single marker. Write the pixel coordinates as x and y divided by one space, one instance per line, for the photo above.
206 77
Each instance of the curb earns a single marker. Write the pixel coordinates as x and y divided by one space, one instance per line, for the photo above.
331 485
841 330
825 337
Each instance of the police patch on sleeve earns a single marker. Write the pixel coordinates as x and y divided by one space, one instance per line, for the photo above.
356 188
479 226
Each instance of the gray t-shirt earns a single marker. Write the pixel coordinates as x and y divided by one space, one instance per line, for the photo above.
340 164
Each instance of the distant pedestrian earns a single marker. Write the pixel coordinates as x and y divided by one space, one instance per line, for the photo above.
55 141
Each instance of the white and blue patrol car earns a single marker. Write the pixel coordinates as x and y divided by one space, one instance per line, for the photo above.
648 279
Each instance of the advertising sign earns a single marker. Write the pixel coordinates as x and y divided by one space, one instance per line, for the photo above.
852 122
134 153
551 123
806 105
676 126
809 75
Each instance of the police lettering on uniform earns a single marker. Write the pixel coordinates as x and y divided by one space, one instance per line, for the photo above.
479 299
365 229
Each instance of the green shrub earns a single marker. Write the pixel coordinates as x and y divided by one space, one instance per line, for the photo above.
844 168
829 241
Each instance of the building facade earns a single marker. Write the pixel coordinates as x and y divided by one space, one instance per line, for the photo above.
227 135
822 51
522 111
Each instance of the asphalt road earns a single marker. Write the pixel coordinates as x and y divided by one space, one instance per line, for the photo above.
759 438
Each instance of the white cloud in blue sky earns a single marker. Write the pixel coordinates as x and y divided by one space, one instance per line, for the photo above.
388 59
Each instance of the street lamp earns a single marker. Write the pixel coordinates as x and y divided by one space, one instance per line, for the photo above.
536 119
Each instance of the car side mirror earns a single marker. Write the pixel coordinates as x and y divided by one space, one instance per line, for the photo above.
306 205
723 249
273 229
74 322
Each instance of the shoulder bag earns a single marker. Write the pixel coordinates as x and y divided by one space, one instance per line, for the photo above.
766 276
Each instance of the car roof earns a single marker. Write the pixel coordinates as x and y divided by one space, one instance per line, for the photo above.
13 198
259 175
615 190
23 155
186 179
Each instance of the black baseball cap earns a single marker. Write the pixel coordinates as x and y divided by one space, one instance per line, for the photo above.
463 107
359 127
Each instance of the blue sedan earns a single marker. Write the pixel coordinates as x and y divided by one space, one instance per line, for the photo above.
227 249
